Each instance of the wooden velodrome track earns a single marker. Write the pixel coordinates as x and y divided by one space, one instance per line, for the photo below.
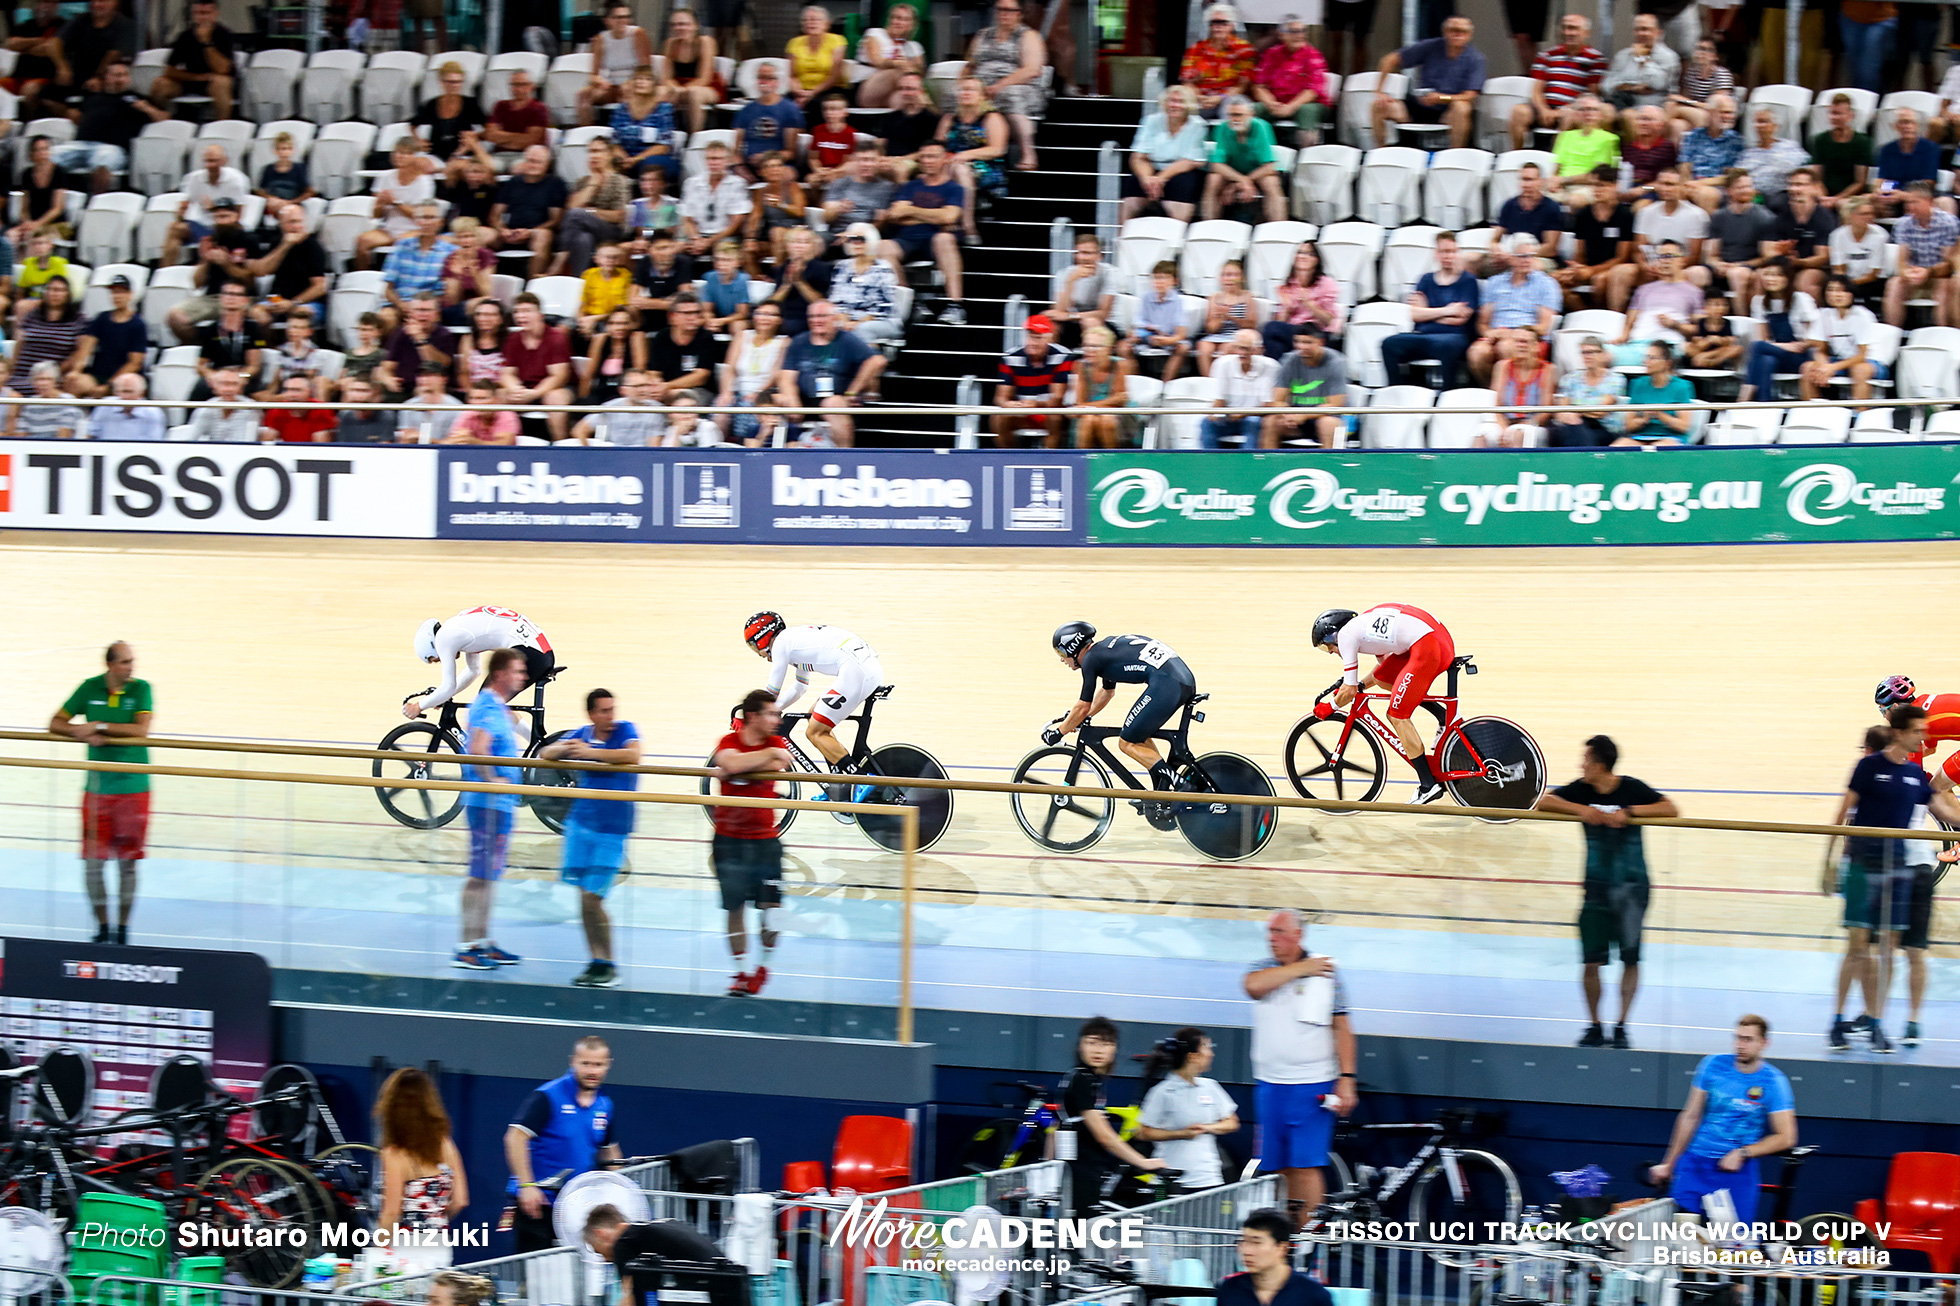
1738 679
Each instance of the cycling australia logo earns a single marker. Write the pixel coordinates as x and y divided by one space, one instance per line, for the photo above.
708 495
1299 498
1037 497
1821 493
1131 496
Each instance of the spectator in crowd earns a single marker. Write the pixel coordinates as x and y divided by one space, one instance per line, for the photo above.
367 360
1842 153
1033 379
451 121
1770 159
91 42
831 369
480 349
642 126
778 209
683 358
1168 158
201 190
1712 342
126 420
1244 378
223 420
470 187
1946 119
115 804
423 1185
1702 79
714 203
616 350
1446 74
1008 58
43 421
1530 212
1520 297
1802 234
1840 340
1303 1048
114 344
1644 72
594 214
752 374
399 195
860 195
1738 233
747 848
619 50
1348 26
1228 310
767 124
912 122
538 364
48 332
1307 294
285 181
41 269
663 274
1102 381
1312 376
923 214
1681 26
1219 66
725 290
1160 338
651 210
566 1124
424 418
1602 231
477 427
1868 28
1290 83
516 124
107 122
415 266
1521 376
1265 1249
686 428
44 198
596 830
1084 1094
832 142
203 60
864 288
816 57
1857 249
1660 385
1445 305
6 277
1586 396
1669 218
692 83
469 274
1616 885
34 41
1907 159
1560 74
1649 151
1709 152
890 52
1787 316
363 425
630 421
227 252
1926 236
298 425
608 288
1244 168
802 280
1184 1113
1662 309
976 143
1578 154
1739 1108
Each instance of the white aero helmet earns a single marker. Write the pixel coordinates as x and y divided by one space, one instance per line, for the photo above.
425 640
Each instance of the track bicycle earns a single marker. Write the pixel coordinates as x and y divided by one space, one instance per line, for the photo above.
1487 761
887 763
1012 1140
1071 823
437 744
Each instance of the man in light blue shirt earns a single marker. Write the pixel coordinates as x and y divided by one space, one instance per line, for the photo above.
1521 296
125 421
1739 1108
492 733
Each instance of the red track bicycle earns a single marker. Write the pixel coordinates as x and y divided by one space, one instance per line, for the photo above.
1487 761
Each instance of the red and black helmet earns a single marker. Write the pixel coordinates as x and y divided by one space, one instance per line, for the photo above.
761 630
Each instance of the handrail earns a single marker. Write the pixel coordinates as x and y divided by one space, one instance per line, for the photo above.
910 782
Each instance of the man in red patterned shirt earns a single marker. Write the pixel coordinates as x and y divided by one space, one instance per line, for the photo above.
1563 73
1221 64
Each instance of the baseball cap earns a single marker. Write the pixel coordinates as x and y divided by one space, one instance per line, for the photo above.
1039 322
223 202
119 283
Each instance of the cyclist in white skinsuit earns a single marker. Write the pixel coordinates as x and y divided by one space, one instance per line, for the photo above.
796 651
469 634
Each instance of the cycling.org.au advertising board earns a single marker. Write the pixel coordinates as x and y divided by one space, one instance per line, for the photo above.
707 496
1526 497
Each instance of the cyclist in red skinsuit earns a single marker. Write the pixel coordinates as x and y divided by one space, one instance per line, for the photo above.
1413 647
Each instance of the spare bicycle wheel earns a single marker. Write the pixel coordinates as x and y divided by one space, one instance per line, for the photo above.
271 1201
1063 823
421 809
1513 771
899 762
1358 771
1226 832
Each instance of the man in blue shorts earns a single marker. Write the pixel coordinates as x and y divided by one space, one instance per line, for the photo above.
1739 1108
492 733
596 829
924 214
1302 1049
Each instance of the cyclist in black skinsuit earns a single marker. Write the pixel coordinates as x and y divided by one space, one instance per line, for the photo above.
1126 659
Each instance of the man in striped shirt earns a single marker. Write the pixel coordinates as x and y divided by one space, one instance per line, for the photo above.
1563 73
1032 378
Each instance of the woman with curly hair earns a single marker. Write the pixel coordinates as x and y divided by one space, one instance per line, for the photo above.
422 1182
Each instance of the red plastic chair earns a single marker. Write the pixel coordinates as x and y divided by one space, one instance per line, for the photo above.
1922 1202
873 1155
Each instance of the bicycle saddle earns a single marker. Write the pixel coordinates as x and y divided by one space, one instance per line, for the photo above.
883 691
1463 660
550 676
1198 698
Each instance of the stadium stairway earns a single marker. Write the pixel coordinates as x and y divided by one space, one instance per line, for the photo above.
1011 259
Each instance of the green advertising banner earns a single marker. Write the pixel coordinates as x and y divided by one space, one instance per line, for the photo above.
1531 496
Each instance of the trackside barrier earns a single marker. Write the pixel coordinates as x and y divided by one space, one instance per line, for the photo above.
555 1276
136 1290
24 1287
656 1176
1215 1208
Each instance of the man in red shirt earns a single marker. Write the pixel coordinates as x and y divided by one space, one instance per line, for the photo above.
538 364
747 851
300 425
518 123
1562 74
1290 83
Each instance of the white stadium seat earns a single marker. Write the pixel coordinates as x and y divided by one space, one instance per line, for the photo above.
107 233
1575 327
1397 430
389 84
269 84
264 151
1790 104
567 77
572 163
160 155
96 298
159 213
1453 188
1884 125
326 88
1504 175
1390 186
1495 101
559 297
1349 251
1208 246
1141 245
1367 327
353 294
1929 364
339 152
167 287
1195 394
1409 254
1864 107
1323 183
1460 415
1269 259
496 75
1357 98
346 219
144 68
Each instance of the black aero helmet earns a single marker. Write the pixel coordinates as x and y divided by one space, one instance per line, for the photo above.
1328 625
1072 637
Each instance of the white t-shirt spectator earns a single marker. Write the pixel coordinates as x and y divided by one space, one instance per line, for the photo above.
1842 333
1245 386
713 209
200 190
1179 1103
1288 1046
1859 258
225 425
1688 222
419 191
415 412
877 43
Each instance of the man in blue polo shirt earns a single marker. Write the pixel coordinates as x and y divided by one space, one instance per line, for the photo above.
596 829
566 1124
1445 73
1739 1108
1444 306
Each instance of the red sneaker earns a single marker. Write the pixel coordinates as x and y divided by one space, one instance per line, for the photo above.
739 987
758 979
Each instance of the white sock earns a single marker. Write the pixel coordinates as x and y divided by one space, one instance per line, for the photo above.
741 963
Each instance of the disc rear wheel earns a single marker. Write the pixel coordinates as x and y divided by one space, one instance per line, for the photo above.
1513 770
935 805
1226 832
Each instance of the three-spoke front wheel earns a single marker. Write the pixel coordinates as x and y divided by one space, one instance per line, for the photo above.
1323 764
1063 823
436 752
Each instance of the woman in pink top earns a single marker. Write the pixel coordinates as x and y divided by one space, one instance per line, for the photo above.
1291 82
483 428
1307 295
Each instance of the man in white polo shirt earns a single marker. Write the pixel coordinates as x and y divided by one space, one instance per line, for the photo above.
1302 1049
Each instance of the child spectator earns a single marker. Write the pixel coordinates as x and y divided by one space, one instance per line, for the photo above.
283 181
1160 341
832 142
686 428
725 291
467 273
365 358
1227 312
1711 342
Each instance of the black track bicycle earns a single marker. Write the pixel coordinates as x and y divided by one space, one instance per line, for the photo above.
1071 823
884 771
436 746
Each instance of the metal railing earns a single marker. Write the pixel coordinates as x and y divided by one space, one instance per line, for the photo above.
657 1175
555 1276
20 1286
1109 190
1215 1208
140 1290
